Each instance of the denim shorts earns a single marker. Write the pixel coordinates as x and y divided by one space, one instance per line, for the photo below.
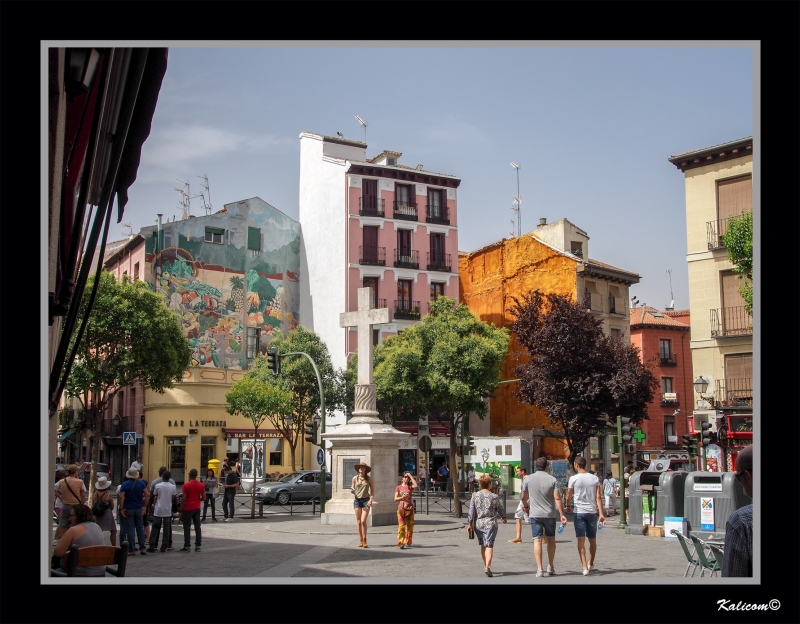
586 525
546 526
360 503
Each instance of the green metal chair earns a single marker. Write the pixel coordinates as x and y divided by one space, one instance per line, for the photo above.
706 562
719 556
684 542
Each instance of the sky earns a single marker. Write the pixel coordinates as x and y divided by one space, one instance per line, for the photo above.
590 126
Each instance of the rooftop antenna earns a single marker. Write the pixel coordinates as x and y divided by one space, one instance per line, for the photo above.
517 202
512 229
129 227
186 199
207 206
672 298
363 123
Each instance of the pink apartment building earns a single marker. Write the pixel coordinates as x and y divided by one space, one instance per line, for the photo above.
372 222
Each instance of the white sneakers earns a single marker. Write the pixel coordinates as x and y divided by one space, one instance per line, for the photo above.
540 573
550 570
228 520
586 572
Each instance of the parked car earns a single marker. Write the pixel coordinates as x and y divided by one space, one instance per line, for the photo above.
59 468
298 486
102 471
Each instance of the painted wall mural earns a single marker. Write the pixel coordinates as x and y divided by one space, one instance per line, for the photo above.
220 289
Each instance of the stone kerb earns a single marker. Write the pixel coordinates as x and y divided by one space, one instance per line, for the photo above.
375 443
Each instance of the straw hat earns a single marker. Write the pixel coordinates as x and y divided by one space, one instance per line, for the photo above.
132 473
361 465
102 484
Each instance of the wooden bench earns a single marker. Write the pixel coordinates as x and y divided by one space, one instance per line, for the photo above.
114 558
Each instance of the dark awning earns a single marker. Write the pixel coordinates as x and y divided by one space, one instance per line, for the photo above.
65 435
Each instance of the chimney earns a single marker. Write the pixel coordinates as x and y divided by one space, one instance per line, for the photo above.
542 221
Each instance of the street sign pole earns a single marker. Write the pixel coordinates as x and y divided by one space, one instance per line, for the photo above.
623 524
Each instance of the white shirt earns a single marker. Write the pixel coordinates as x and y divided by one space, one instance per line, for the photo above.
137 465
584 492
164 492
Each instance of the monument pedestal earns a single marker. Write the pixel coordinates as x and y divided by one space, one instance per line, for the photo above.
365 438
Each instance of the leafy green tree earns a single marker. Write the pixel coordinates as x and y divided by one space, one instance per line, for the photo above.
447 366
297 376
130 336
258 401
632 382
569 370
738 240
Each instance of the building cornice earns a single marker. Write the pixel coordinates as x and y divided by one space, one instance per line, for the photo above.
713 155
404 175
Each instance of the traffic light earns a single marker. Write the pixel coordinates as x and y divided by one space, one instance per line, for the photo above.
460 450
709 437
273 360
310 432
627 430
470 443
690 444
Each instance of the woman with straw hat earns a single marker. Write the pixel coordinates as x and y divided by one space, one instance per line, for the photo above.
106 522
363 489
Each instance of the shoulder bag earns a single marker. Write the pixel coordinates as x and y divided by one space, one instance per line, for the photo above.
471 525
99 507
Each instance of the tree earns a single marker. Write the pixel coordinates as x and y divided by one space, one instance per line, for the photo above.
130 336
258 401
738 240
632 383
447 366
297 376
570 368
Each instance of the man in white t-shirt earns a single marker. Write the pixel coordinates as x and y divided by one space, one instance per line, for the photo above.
165 494
137 463
586 490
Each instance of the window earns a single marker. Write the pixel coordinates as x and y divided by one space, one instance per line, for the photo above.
392 162
437 250
214 235
372 282
404 295
669 430
275 455
254 239
208 450
404 246
738 379
576 248
376 335
616 333
435 203
508 449
253 342
136 272
370 250
437 290
498 450
666 384
403 195
665 349
733 198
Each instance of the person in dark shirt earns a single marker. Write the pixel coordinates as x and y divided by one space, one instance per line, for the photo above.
738 559
229 502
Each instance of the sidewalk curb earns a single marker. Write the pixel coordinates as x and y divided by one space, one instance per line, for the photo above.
385 530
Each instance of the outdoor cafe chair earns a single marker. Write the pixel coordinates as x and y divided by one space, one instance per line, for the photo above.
706 562
719 555
685 543
114 558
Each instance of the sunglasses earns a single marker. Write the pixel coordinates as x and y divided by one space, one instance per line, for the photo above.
739 475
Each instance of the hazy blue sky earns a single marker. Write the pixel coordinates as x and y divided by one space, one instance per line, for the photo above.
590 127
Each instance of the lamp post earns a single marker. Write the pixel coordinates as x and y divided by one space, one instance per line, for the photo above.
623 523
700 386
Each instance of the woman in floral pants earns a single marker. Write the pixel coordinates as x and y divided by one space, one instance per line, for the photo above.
405 517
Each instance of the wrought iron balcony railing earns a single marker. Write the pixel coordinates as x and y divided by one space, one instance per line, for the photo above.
669 398
593 301
406 259
437 214
372 256
667 359
438 261
370 206
405 210
734 392
731 322
406 309
715 230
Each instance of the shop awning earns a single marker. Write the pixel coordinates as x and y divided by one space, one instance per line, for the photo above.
65 435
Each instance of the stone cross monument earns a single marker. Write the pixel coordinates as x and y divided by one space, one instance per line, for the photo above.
365 437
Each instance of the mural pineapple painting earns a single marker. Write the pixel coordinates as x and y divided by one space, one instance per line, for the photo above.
237 293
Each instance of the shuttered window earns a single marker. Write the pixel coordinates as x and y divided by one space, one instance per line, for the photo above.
730 290
734 196
214 235
254 238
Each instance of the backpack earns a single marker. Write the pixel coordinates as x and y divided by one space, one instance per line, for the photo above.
99 507
177 503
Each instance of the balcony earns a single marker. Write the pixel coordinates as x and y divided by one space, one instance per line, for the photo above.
616 305
438 261
593 301
731 322
437 214
372 256
669 399
406 259
369 206
667 359
405 210
715 230
405 309
109 430
737 392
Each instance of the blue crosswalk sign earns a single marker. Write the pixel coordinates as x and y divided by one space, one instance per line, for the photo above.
129 437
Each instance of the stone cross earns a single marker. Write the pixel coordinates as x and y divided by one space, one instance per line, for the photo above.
364 319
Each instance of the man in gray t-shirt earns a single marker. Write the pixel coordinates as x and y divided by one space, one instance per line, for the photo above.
541 500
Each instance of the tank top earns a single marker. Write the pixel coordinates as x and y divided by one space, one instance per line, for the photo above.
362 489
92 537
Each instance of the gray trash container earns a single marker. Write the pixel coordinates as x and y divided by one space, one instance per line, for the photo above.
725 493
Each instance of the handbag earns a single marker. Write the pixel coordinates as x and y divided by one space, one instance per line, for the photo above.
99 507
471 525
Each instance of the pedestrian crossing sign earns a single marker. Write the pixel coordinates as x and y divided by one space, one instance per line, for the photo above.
129 437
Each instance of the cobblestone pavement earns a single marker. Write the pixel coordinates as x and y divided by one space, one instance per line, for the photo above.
299 546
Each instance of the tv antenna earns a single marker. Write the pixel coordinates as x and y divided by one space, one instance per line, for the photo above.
186 199
363 123
517 202
207 206
672 298
129 227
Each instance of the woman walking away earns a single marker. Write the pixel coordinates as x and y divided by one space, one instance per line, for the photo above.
212 489
484 509
83 531
364 491
405 510
106 521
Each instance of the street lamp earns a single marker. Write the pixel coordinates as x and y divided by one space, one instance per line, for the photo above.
700 385
115 423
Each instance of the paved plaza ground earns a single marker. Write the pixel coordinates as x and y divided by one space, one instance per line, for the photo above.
280 545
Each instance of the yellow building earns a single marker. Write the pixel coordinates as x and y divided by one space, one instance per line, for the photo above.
719 185
554 258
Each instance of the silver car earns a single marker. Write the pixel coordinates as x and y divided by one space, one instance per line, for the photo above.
297 486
